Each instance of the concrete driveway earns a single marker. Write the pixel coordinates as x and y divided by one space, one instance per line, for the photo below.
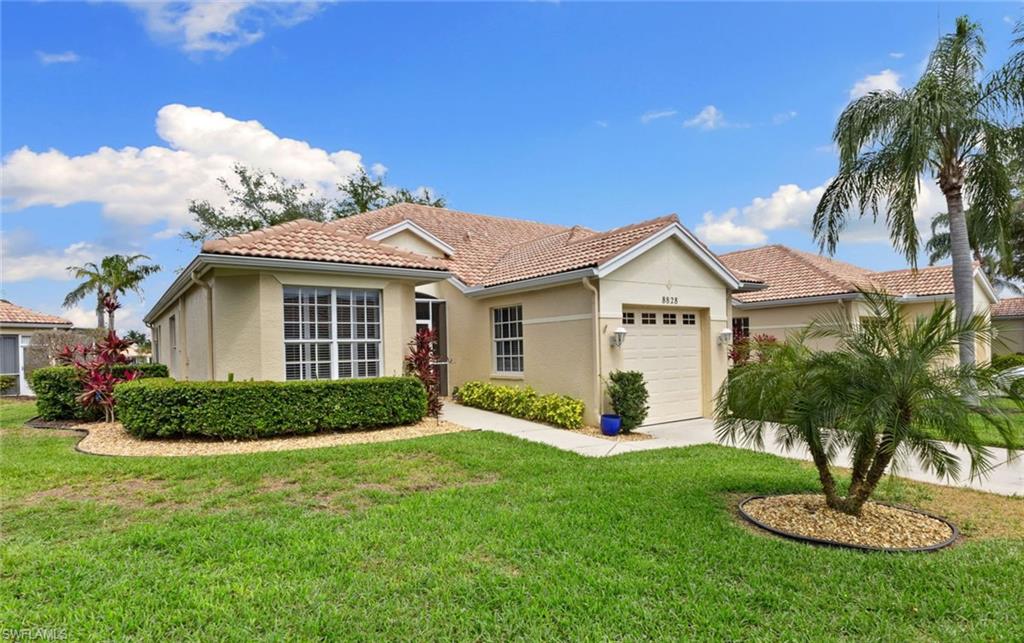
1006 478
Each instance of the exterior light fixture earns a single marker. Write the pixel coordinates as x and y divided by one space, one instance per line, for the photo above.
725 337
618 337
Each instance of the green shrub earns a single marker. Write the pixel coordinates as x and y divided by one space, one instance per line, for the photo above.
523 402
166 408
1004 362
57 389
628 394
7 381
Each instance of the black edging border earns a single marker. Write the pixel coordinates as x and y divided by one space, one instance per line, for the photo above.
832 543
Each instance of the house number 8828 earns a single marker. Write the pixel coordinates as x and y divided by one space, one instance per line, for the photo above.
670 300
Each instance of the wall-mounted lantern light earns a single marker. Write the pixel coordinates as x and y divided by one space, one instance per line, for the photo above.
725 337
618 337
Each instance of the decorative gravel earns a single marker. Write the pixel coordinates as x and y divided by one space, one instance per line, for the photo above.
621 437
112 439
878 525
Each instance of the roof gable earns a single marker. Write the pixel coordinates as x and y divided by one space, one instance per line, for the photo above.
411 227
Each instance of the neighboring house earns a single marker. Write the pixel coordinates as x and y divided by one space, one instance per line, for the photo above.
17 325
1008 319
802 287
514 302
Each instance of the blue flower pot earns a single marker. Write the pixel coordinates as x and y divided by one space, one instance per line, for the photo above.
610 424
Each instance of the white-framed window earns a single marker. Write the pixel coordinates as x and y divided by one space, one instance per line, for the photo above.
648 319
689 319
331 333
669 319
628 319
172 330
507 334
740 327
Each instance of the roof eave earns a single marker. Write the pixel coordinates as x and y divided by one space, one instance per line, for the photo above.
795 301
205 261
533 283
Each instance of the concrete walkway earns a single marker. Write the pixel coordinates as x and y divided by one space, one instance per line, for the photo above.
1007 478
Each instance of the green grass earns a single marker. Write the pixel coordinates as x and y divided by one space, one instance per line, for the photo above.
466 536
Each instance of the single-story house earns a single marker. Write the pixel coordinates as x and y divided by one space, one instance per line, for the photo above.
1008 319
514 302
17 324
801 287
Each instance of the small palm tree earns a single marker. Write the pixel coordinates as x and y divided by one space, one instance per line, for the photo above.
116 275
891 389
955 125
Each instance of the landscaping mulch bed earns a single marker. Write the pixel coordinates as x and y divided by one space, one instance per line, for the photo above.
112 439
621 437
879 526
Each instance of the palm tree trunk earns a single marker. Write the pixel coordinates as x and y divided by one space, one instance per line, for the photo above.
963 268
99 308
111 317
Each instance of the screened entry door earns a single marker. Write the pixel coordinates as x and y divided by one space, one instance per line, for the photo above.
432 314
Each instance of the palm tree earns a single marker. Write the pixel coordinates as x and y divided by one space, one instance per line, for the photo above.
891 389
116 275
1004 266
955 125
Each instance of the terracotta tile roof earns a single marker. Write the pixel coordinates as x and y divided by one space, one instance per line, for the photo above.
571 250
795 274
488 250
479 240
305 239
14 314
1009 308
934 280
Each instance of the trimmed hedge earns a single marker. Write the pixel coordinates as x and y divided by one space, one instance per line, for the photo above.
524 403
242 410
57 389
1008 361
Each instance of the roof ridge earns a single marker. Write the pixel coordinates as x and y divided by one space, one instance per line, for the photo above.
944 266
401 206
673 218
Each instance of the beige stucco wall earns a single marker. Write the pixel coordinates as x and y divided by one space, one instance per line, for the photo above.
557 339
669 271
412 242
1009 336
248 328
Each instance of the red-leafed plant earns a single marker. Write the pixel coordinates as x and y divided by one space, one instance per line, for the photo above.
422 362
742 345
93 365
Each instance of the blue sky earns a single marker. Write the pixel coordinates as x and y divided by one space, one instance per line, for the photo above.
113 115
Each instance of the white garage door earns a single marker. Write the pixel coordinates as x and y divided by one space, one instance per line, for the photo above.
664 346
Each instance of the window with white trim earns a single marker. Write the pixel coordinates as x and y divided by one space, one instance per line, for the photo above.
669 319
740 327
507 335
628 319
689 319
648 319
331 333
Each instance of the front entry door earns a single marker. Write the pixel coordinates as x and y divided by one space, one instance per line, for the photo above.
432 314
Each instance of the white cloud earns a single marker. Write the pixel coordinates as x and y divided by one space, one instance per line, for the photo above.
885 80
21 265
708 118
219 27
154 184
792 207
57 58
896 54
655 114
378 169
722 230
601 124
783 117
126 318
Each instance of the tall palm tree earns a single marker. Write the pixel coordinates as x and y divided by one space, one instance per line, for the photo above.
956 126
890 389
1004 266
116 275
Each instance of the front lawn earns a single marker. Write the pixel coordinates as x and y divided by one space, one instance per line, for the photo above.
468 536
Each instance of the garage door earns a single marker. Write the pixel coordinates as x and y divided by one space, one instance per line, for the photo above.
664 346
